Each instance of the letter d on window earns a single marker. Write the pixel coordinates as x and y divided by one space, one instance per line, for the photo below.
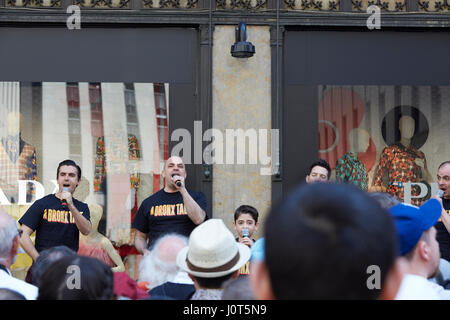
74 21
73 281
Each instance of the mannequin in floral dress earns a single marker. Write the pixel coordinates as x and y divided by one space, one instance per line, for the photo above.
403 163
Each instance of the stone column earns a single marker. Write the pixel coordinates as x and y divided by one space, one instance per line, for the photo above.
241 100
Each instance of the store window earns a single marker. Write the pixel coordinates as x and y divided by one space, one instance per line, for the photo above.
116 132
385 138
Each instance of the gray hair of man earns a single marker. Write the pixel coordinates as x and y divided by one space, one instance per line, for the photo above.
8 231
159 265
385 200
238 289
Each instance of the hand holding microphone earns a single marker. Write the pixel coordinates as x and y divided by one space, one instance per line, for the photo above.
64 201
178 180
245 238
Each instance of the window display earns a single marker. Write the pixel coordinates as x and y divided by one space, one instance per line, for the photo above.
17 159
116 132
380 138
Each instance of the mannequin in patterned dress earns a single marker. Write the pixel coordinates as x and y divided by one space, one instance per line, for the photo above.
403 163
349 168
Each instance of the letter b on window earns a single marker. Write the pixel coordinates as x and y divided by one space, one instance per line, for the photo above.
374 281
74 280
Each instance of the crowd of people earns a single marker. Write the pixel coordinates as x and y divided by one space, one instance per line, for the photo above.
323 240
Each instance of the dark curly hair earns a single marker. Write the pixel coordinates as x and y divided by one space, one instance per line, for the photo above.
321 163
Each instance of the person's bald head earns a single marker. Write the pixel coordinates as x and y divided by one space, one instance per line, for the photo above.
173 160
173 166
159 266
168 247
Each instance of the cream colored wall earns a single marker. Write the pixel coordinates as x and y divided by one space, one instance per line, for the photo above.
241 99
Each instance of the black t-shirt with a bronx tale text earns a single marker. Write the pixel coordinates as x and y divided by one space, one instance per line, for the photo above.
164 212
54 223
442 234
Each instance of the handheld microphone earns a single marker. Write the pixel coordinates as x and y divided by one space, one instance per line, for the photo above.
245 233
64 201
177 182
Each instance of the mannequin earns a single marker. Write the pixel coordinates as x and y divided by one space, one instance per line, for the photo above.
349 168
406 126
95 244
403 163
17 159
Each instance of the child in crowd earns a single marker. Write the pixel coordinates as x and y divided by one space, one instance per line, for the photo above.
246 224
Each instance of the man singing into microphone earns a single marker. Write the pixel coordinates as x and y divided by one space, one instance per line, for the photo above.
443 225
172 209
57 218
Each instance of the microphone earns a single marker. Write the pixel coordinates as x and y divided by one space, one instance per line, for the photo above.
177 182
64 201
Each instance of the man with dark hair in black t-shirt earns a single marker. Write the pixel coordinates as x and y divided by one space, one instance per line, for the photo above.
57 218
171 209
443 225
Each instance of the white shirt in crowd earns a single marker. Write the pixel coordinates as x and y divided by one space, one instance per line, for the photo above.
7 281
414 287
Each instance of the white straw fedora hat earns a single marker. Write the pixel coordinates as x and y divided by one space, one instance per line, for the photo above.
212 251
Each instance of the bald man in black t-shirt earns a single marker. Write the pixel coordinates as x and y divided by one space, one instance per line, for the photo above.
172 209
443 225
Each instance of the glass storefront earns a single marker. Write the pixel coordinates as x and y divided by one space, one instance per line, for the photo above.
385 138
116 132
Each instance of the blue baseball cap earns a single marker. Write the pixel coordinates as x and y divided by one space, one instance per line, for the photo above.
411 221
